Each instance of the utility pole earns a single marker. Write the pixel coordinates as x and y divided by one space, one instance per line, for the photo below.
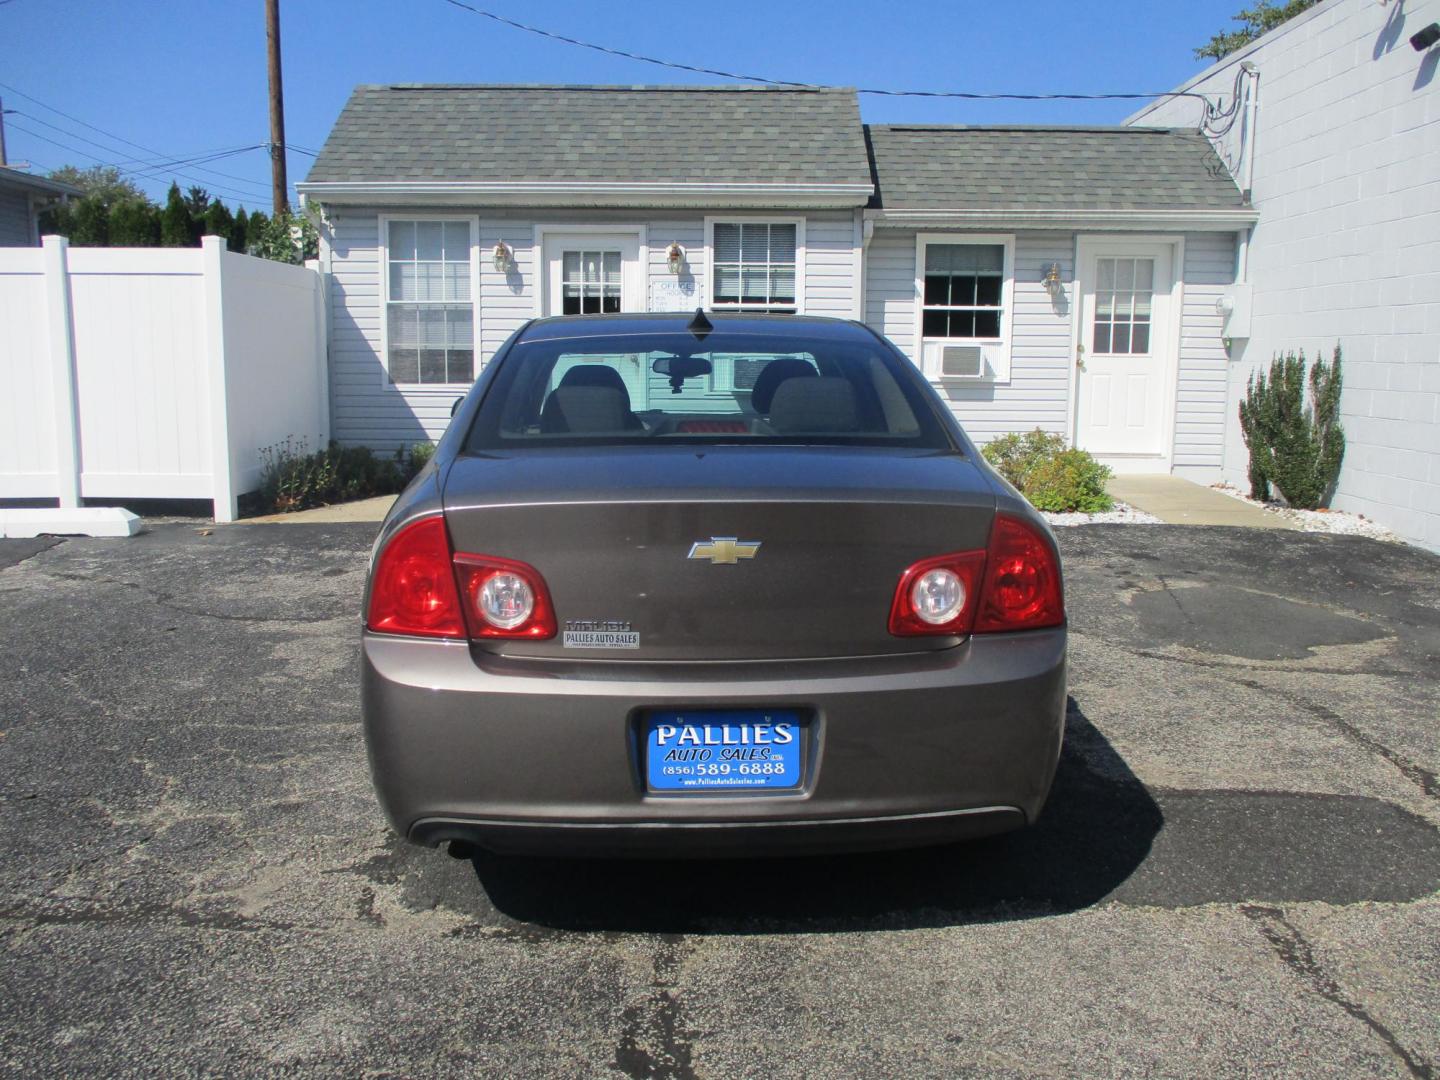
277 109
2 132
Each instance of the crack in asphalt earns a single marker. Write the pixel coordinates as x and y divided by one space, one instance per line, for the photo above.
54 542
143 914
1296 953
1418 775
164 600
653 1045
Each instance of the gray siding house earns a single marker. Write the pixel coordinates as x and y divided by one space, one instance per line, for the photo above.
1064 278
22 198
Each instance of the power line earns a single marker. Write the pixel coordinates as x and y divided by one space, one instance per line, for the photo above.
117 138
741 77
151 172
145 164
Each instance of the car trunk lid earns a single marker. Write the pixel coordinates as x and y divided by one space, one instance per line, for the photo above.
648 553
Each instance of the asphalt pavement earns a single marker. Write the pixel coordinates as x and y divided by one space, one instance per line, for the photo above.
1236 875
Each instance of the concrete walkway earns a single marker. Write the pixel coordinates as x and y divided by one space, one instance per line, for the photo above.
1182 502
361 510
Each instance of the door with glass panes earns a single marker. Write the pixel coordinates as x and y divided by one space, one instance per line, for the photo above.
1125 358
592 273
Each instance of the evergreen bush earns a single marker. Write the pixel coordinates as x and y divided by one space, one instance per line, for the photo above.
1296 441
1051 475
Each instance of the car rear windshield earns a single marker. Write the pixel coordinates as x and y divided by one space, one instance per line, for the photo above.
727 387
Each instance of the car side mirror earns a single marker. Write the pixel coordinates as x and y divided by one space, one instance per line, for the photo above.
455 405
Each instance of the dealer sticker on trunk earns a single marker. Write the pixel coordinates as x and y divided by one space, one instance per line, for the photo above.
599 634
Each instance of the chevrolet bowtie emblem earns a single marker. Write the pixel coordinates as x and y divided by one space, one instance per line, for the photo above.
724 549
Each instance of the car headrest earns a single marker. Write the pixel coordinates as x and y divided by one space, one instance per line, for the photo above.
585 410
762 394
596 375
814 405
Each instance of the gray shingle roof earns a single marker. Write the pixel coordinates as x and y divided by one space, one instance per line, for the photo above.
619 134
920 167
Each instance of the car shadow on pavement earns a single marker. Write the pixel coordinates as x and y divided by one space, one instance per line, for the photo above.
1097 828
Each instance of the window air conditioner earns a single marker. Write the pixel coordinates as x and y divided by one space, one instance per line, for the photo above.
962 362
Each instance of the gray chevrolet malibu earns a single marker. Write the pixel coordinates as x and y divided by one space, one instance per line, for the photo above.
721 585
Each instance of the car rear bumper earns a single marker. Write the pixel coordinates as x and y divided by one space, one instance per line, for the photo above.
543 756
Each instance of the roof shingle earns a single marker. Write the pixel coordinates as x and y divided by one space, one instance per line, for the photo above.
944 167
615 134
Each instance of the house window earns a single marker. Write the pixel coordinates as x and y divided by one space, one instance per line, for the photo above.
590 282
429 311
754 267
963 291
1124 298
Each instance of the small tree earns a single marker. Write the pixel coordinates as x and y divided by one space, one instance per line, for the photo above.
177 228
1255 21
286 237
135 223
217 221
1296 445
238 229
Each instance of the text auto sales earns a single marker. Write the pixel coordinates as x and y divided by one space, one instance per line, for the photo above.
740 743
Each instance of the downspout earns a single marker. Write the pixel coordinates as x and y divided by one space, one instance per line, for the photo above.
1247 151
864 232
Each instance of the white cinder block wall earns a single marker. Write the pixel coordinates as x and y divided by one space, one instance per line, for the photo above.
1347 182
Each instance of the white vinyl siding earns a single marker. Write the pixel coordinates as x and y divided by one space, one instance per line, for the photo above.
1200 412
368 410
1037 392
16 227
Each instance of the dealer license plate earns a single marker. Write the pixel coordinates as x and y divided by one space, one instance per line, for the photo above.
723 751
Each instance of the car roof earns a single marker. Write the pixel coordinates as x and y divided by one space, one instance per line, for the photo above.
800 327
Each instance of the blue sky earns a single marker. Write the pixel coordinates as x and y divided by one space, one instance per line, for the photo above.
185 78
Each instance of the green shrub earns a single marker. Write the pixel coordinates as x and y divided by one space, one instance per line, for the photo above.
295 480
1050 474
415 457
1296 445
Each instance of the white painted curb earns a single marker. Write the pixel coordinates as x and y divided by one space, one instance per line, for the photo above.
82 521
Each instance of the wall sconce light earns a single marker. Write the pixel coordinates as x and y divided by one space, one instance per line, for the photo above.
502 256
674 257
1051 280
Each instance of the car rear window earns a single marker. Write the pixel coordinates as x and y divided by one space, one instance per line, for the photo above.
726 387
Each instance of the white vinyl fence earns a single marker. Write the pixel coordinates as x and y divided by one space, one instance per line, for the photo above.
154 373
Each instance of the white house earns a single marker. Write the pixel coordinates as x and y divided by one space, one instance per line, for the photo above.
1343 114
1065 278
22 199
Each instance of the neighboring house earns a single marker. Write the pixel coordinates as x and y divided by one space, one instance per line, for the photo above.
22 198
1065 278
1344 119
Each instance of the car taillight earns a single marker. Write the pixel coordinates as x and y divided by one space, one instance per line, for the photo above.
1012 585
412 590
938 595
1022 580
503 598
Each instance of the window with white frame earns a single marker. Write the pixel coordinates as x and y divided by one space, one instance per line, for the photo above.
963 291
429 309
754 267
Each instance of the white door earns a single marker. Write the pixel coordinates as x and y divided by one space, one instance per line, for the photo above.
1125 358
592 273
